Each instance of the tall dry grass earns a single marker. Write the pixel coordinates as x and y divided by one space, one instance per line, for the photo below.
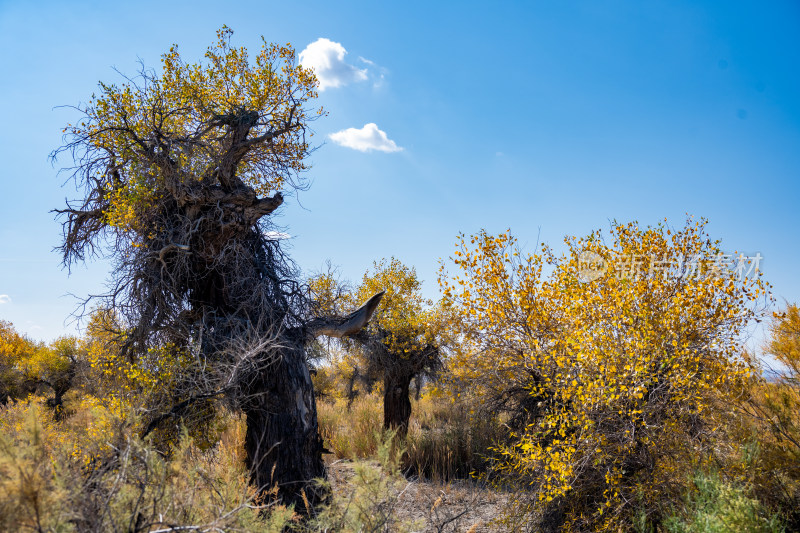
445 440
91 473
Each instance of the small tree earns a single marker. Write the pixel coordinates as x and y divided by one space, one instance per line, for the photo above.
784 407
402 341
26 366
773 413
785 342
608 366
178 171
779 401
14 350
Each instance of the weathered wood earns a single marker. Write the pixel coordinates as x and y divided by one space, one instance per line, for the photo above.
349 325
282 441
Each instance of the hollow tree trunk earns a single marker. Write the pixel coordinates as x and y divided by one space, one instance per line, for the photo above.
282 441
396 404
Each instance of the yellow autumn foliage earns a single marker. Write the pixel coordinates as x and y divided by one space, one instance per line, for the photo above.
189 102
607 357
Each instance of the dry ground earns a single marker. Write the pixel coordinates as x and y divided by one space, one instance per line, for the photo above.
454 507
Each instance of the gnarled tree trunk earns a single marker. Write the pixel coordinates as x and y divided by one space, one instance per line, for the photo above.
283 445
396 403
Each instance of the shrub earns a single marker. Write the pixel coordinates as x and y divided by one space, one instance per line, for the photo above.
717 506
609 360
370 503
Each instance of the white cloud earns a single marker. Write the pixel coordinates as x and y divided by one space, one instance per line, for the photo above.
326 57
5 299
365 139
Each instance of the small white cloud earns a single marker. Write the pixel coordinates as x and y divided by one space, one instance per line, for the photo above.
367 61
326 57
5 299
365 139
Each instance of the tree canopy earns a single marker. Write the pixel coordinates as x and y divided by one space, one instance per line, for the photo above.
26 365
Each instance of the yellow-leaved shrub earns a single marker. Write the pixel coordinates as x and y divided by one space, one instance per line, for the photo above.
609 360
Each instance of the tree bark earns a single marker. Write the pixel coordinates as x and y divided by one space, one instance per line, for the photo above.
396 403
282 441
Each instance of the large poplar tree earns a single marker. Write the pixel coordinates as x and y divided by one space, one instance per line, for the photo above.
179 171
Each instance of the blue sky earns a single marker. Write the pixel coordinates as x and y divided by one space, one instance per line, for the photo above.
549 118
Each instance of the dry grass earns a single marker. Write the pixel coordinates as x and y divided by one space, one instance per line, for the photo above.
432 506
446 443
112 481
91 473
87 472
351 433
445 440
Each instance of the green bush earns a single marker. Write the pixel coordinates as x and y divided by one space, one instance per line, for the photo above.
718 506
